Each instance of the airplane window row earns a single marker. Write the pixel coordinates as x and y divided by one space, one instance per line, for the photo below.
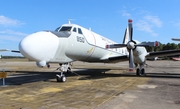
68 28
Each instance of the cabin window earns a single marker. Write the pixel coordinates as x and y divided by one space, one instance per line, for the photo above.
80 31
66 28
74 30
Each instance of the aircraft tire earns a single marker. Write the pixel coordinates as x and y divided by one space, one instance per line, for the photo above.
58 79
63 79
138 72
143 72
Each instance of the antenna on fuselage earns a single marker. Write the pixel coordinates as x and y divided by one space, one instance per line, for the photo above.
69 21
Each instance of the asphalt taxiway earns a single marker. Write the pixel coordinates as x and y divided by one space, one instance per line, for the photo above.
91 86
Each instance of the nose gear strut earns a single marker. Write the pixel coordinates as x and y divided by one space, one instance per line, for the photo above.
64 68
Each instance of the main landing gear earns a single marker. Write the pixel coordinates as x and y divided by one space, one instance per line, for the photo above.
64 68
140 71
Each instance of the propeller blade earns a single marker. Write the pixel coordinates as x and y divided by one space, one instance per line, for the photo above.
131 61
150 44
125 40
130 29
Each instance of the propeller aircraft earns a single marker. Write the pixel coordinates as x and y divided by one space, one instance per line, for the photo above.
71 42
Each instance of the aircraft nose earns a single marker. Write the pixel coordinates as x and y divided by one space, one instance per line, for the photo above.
39 46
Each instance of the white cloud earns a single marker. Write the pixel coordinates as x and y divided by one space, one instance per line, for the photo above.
4 38
11 32
10 35
5 21
143 26
125 13
147 23
154 20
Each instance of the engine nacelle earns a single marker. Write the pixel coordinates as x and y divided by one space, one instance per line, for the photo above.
140 55
41 64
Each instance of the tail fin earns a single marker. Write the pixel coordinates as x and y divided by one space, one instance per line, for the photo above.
126 36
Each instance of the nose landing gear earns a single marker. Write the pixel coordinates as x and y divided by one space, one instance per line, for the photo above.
61 77
64 68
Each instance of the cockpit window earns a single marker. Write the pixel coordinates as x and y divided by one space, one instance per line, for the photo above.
66 28
57 29
80 31
74 30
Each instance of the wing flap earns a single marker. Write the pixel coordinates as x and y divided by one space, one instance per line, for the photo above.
116 59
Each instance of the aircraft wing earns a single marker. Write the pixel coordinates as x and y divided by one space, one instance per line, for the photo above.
15 51
116 59
163 53
119 58
3 50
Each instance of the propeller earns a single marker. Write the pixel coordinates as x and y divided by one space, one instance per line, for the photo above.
131 45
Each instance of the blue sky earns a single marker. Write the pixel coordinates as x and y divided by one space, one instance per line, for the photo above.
153 20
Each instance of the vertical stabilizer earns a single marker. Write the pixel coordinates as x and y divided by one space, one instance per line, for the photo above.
126 36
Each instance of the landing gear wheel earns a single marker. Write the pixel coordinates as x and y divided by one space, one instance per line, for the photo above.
63 79
143 72
138 72
60 78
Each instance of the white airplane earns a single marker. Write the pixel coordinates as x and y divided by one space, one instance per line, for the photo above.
176 39
71 42
1 50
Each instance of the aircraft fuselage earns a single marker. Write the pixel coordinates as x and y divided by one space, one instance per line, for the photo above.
68 43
